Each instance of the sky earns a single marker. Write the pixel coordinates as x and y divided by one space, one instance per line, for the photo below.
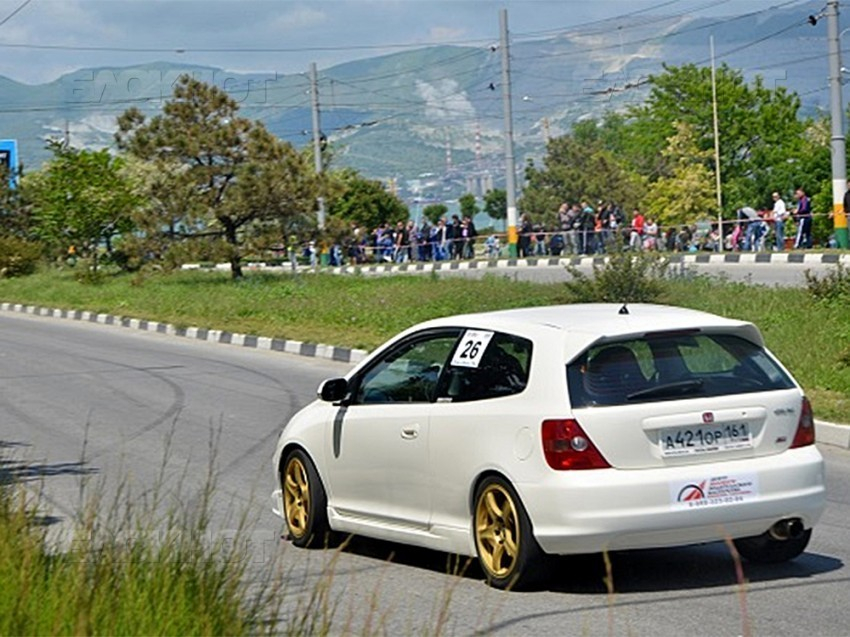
43 39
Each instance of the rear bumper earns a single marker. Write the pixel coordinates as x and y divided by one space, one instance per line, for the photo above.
597 510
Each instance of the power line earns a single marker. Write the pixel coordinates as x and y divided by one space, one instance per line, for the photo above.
15 12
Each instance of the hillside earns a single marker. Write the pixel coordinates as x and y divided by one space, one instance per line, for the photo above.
432 118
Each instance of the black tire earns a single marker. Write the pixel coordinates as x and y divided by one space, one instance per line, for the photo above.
768 550
305 504
504 542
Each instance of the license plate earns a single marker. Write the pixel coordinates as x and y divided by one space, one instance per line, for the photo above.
686 441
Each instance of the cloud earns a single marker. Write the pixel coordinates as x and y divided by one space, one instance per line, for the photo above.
445 101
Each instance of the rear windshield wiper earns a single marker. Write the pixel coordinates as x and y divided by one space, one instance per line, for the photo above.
680 387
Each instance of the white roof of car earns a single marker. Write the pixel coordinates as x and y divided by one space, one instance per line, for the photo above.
599 320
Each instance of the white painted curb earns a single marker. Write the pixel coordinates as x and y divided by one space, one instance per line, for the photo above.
831 434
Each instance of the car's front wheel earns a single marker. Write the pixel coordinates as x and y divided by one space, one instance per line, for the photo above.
769 550
304 502
507 551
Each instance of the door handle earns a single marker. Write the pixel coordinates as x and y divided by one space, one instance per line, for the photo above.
410 432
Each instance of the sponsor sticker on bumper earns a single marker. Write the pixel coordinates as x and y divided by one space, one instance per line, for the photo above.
713 491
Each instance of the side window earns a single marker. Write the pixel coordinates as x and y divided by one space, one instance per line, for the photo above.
408 373
500 369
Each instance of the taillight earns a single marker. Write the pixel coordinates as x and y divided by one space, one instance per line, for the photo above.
805 434
567 447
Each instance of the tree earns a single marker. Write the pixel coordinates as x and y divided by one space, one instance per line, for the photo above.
686 191
81 199
759 130
15 212
235 175
575 170
468 205
364 201
434 212
496 204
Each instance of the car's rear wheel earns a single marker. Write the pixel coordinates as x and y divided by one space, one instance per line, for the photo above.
769 550
507 551
304 502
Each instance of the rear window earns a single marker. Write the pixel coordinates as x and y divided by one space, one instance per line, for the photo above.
670 367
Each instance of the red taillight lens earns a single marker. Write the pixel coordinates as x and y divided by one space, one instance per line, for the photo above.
567 447
805 434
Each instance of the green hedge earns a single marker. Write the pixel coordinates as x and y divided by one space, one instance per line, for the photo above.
18 257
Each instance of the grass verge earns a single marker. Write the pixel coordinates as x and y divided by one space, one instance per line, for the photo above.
141 569
812 338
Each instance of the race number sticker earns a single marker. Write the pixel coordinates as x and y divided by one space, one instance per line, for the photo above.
471 349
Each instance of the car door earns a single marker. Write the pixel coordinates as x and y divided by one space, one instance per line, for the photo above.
378 456
478 421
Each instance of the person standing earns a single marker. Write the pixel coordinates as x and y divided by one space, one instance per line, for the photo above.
440 240
456 238
780 215
588 226
469 238
636 236
650 230
565 222
803 217
525 232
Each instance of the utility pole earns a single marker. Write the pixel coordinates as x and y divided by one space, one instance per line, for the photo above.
839 158
510 171
317 140
716 147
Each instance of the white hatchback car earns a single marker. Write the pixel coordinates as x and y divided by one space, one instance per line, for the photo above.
558 430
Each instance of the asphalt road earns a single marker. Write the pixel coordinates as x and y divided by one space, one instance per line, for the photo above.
83 402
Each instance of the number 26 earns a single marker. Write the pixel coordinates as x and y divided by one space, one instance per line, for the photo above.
471 349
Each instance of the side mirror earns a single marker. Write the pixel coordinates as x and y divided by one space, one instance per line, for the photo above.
333 390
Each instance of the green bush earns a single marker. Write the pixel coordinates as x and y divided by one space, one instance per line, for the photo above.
18 257
624 277
833 286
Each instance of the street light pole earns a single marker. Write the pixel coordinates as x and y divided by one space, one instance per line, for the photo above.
838 145
510 174
317 140
716 148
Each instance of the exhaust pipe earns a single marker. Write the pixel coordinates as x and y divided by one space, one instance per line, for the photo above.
787 529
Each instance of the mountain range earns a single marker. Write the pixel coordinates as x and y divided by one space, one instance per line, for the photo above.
431 120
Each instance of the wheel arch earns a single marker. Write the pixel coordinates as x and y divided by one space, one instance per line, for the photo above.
476 483
285 453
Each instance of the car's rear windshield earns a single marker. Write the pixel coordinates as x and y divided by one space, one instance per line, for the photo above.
670 366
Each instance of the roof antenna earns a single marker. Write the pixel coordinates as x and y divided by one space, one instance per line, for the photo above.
624 309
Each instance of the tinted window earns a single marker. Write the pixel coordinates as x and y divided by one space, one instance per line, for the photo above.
501 371
408 373
668 367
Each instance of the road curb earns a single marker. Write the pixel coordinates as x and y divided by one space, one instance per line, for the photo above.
544 261
300 348
831 434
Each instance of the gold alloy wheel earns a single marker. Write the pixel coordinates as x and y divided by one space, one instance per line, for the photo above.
296 496
497 531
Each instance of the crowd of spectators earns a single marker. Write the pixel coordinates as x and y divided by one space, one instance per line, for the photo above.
579 229
582 229
444 240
